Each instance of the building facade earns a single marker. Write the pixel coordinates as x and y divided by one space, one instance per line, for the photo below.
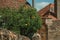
51 21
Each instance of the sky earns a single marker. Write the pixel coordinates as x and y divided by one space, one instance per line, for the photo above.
39 4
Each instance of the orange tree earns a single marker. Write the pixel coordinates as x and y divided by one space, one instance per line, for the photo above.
25 21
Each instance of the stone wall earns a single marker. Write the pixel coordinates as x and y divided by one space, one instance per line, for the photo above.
54 31
58 9
9 35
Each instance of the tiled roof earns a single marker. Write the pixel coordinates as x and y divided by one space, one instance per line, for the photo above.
52 5
46 13
11 3
21 0
44 10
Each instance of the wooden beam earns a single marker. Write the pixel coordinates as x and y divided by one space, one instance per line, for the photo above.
55 7
32 3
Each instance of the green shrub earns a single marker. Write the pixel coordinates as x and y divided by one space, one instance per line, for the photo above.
25 21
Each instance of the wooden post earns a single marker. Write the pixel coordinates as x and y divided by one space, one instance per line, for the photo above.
55 7
32 3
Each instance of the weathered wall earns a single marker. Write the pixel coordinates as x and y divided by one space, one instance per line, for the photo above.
54 31
58 9
43 32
